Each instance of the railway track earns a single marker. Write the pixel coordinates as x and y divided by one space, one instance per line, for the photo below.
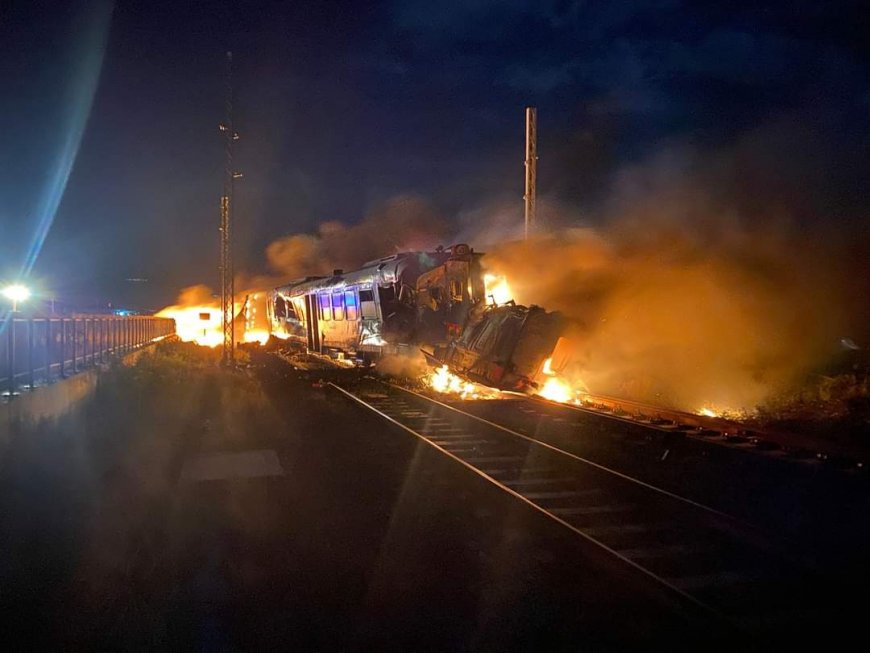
700 557
719 431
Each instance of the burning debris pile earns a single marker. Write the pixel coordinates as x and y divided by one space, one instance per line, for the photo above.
504 347
442 380
197 316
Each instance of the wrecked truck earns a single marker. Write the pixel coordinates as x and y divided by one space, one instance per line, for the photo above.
504 347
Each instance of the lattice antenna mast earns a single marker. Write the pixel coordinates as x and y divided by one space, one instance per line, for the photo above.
531 196
227 270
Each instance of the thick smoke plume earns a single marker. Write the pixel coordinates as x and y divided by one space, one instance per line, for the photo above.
682 299
403 223
698 281
198 295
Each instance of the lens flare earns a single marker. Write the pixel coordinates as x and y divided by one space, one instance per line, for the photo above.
84 79
16 292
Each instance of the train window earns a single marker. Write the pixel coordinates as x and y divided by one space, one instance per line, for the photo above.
325 308
386 294
338 306
367 306
280 308
486 338
507 338
350 305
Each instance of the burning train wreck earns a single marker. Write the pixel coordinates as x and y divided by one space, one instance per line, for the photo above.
440 302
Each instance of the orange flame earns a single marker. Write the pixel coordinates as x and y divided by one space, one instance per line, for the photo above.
497 289
707 412
256 335
558 389
444 381
199 324
555 389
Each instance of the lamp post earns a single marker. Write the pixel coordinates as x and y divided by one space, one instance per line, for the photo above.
16 293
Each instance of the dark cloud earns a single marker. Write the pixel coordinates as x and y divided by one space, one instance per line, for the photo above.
342 107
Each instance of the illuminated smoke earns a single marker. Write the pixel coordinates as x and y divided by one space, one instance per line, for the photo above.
677 302
696 282
404 223
403 365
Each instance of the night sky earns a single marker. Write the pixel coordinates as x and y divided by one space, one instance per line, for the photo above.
342 106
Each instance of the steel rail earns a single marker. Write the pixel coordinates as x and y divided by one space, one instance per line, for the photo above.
760 536
657 579
603 405
626 477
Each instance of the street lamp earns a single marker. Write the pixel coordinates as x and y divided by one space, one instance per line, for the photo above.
16 293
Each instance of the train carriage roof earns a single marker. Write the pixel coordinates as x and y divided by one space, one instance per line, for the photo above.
381 271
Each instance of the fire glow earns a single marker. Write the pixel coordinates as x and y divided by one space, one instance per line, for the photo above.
498 291
708 412
444 381
199 324
556 388
256 335
253 331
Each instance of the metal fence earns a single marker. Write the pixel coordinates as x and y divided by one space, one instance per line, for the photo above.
37 351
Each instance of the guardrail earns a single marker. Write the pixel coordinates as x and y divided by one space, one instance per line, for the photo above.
37 351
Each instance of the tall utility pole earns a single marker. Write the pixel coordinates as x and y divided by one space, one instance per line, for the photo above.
531 167
226 228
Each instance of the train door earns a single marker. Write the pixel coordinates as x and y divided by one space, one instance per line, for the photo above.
312 328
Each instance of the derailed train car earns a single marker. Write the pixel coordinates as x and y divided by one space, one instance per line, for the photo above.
504 347
386 306
435 301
